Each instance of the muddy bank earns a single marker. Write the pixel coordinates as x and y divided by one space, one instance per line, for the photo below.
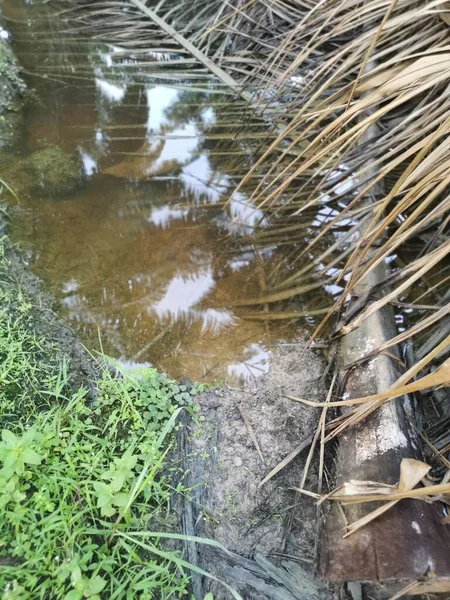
58 339
243 435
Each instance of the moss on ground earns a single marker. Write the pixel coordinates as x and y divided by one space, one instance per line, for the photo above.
49 172
13 89
53 171
11 129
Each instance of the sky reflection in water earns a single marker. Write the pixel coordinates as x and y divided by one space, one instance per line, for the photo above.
142 254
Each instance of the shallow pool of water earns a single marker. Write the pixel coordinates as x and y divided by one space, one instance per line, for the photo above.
144 256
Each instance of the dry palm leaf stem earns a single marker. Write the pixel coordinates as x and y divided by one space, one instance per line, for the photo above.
412 472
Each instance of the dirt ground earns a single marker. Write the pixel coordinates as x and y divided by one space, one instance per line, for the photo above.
258 523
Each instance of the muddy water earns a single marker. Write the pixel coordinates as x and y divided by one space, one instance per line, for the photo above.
143 256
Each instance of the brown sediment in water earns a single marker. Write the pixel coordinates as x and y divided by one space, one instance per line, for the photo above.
136 282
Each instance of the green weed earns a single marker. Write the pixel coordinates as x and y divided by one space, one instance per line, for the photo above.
77 480
81 474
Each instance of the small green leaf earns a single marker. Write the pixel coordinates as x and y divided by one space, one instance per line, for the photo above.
96 585
73 595
28 437
107 510
10 461
9 437
117 481
121 499
101 488
76 577
31 457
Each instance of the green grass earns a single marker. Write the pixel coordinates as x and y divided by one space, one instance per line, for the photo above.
81 477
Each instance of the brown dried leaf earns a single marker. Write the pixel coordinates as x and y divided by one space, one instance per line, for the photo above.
445 16
412 472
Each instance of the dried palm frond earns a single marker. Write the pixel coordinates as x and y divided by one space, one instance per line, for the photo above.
216 41
373 107
412 472
353 166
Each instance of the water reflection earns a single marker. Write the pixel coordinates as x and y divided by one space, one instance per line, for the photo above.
254 363
143 252
159 98
183 294
162 216
110 91
89 164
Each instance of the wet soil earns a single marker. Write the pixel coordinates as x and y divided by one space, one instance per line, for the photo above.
225 467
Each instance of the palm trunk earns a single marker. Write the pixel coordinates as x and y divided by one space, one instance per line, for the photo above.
409 538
